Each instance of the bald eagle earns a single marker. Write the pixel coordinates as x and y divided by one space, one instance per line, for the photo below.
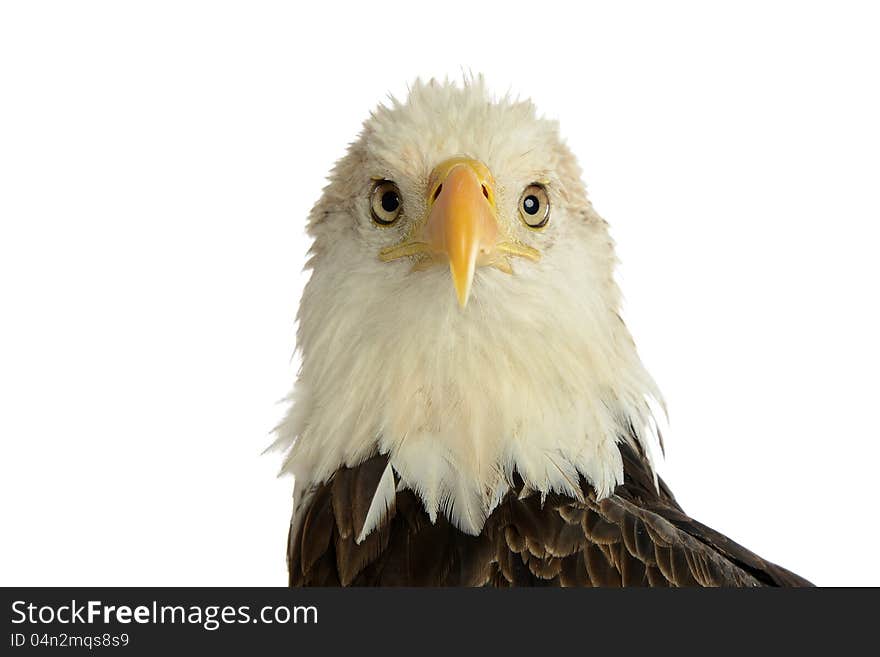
471 409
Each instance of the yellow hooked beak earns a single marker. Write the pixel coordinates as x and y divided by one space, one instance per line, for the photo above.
462 223
461 227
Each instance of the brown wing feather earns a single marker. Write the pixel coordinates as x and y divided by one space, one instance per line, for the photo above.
637 537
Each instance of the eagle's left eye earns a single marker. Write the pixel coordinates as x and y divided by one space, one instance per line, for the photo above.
534 206
385 203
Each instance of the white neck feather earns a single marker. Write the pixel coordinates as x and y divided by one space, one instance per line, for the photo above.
460 399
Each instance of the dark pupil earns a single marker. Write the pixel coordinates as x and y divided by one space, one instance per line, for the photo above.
531 204
390 202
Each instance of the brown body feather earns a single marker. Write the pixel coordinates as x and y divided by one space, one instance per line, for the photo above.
637 537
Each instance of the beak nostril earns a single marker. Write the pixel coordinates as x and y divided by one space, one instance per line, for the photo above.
485 191
437 192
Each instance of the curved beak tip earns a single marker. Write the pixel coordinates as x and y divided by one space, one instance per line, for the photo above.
462 224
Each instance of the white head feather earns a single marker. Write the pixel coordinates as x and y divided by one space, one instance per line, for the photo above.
537 374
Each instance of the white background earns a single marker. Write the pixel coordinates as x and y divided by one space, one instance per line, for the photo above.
158 160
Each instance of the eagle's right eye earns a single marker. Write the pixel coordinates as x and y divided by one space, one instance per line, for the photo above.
385 203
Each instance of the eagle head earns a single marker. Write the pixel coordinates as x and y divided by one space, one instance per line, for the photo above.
462 316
